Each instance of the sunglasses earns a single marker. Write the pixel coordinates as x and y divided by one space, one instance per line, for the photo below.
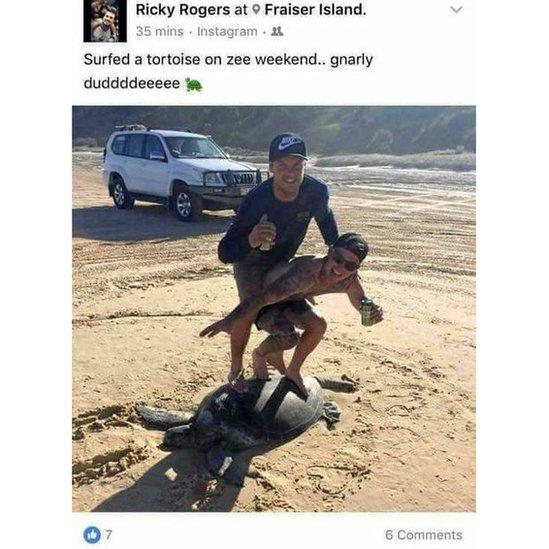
340 260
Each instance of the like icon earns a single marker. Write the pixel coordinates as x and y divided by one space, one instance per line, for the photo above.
92 534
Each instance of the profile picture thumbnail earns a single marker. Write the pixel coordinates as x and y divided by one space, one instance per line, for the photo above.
105 21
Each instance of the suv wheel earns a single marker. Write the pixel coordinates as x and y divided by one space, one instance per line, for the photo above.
187 205
121 197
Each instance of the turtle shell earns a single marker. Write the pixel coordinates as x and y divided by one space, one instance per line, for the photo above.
267 410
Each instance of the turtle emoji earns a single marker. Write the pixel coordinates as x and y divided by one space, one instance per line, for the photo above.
193 85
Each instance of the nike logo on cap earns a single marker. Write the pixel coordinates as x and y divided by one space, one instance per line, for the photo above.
288 142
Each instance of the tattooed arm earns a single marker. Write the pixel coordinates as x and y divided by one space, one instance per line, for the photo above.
297 280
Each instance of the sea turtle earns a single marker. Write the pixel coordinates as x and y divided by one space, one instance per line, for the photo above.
193 85
268 412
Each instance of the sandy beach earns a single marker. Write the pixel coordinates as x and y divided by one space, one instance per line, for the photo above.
145 284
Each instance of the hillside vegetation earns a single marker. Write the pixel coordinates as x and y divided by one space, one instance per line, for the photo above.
327 130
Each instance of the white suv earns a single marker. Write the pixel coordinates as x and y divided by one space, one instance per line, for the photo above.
185 171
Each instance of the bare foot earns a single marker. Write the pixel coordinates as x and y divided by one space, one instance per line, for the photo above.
259 364
276 360
298 380
236 381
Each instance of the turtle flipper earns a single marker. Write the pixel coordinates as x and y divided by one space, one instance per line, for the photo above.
220 464
331 414
163 418
218 461
347 385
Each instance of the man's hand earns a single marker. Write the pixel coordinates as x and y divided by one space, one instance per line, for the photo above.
263 233
212 330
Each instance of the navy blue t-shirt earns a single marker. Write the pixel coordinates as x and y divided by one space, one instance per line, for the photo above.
290 218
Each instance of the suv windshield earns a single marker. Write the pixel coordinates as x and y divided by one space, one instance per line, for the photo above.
193 147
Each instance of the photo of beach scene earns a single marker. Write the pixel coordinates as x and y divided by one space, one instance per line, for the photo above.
145 284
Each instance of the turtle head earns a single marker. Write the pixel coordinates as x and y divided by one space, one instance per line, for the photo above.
181 436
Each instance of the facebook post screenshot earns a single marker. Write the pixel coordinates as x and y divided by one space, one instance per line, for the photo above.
273 272
268 292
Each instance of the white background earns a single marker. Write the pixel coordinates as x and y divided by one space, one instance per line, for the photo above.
423 55
39 74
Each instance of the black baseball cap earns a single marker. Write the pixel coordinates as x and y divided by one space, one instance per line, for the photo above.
287 144
354 243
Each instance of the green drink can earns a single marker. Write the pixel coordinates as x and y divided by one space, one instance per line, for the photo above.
366 311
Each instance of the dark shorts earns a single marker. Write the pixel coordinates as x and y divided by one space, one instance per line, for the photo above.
249 274
299 307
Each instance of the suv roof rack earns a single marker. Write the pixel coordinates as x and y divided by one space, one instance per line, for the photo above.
131 128
143 128
187 130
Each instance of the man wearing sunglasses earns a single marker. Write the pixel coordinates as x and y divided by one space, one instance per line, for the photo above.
284 304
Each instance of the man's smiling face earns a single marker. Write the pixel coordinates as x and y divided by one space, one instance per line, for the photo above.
108 19
341 264
288 173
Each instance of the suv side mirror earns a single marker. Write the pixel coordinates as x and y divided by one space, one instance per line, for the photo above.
157 156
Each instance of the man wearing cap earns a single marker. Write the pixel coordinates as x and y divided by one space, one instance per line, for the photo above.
268 229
